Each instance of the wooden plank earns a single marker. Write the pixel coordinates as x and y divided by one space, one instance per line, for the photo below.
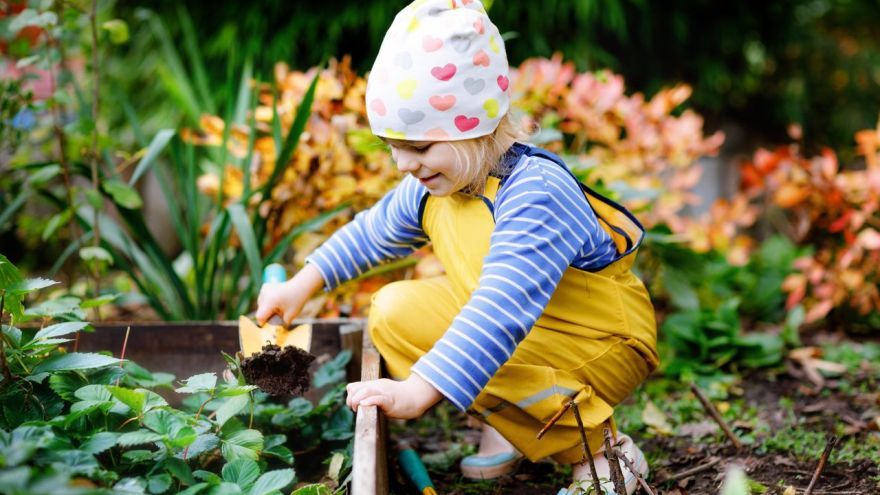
370 464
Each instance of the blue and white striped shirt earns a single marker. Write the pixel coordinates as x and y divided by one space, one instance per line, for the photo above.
543 224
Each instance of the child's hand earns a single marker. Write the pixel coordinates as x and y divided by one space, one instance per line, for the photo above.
286 299
400 400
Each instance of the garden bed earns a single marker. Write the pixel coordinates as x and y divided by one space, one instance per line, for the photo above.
781 418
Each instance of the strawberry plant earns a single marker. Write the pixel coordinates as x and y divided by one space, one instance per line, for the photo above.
91 423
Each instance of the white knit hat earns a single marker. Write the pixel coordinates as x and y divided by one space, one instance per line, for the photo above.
441 74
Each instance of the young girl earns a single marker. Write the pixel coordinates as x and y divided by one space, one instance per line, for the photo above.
538 305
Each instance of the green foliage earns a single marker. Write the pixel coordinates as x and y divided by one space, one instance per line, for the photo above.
66 415
710 299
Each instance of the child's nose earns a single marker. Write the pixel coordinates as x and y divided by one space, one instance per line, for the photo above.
407 162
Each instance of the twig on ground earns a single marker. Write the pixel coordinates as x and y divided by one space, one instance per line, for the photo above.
692 471
829 446
613 463
632 469
577 416
716 416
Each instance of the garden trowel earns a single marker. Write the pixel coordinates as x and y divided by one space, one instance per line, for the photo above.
252 337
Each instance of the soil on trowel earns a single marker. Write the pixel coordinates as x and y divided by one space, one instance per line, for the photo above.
279 372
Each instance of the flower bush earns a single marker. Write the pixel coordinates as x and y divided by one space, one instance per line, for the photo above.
836 211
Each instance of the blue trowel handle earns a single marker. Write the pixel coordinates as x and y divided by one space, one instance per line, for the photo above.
274 273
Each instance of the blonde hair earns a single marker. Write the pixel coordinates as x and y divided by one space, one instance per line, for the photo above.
481 157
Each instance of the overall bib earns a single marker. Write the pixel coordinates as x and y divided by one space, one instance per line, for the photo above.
595 342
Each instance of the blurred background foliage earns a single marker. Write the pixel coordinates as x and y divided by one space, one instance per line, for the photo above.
764 65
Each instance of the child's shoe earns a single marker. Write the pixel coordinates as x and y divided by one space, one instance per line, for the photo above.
478 467
499 457
603 469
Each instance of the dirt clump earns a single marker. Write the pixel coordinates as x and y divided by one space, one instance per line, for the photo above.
279 372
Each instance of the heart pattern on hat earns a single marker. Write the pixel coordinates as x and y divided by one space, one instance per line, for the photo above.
481 58
465 123
406 88
378 106
474 86
503 82
444 73
410 117
431 44
442 103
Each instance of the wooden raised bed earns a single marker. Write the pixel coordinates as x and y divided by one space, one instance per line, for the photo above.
189 348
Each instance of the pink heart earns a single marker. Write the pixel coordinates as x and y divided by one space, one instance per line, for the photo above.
444 73
481 58
465 124
378 106
442 103
478 25
436 134
430 43
503 83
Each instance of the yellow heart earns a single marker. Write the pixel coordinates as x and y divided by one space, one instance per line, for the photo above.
491 107
391 133
492 44
413 25
406 88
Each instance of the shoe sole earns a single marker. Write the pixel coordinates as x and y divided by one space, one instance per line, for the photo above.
490 472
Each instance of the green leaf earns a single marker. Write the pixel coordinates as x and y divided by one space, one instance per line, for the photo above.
93 393
95 253
203 443
183 437
138 456
242 472
159 483
681 294
299 406
162 421
180 469
95 199
315 489
59 329
157 145
63 306
123 195
195 489
204 382
43 175
100 442
245 230
332 371
138 437
244 444
75 361
66 384
118 30
236 390
281 453
98 301
56 222
272 481
30 285
134 399
231 407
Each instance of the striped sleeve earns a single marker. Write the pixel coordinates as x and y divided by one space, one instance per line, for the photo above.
390 229
542 224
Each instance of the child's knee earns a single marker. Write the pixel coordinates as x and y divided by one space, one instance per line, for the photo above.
388 308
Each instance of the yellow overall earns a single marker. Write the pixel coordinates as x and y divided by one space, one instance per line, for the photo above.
595 342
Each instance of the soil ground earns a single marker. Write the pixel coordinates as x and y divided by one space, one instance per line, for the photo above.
782 418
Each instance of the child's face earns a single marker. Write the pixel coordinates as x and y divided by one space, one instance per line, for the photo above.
435 164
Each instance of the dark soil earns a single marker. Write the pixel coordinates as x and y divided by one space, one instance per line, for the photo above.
848 408
279 372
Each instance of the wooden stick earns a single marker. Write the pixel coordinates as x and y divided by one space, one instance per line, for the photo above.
715 415
632 469
829 446
577 416
692 471
613 463
554 419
